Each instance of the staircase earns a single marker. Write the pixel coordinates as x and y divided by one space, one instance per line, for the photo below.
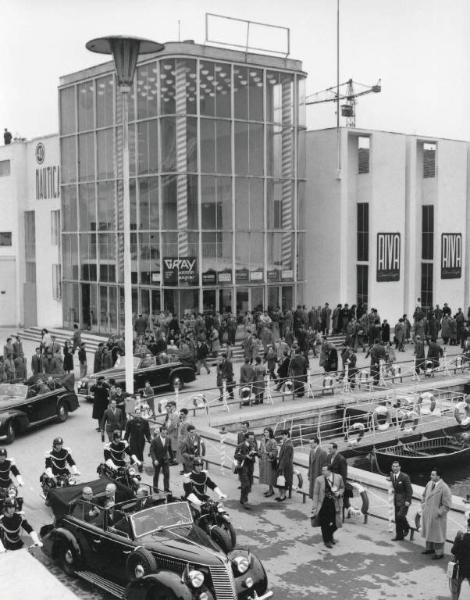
91 339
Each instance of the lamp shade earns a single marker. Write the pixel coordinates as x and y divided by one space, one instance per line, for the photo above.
125 51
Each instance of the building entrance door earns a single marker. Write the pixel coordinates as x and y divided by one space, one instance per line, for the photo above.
209 300
225 300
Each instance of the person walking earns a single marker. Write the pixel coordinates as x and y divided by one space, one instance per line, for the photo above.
268 461
111 420
100 393
68 358
403 493
436 503
259 382
191 448
82 360
285 465
244 458
37 366
137 433
327 505
461 551
160 453
225 371
317 459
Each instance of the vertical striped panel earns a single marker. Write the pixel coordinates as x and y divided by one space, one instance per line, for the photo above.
119 175
181 157
286 173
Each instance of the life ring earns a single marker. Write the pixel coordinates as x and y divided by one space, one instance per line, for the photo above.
428 368
364 378
462 413
245 393
405 417
358 428
328 382
287 387
382 418
427 404
300 480
199 401
360 491
396 373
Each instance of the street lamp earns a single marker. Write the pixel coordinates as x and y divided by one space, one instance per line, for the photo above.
125 51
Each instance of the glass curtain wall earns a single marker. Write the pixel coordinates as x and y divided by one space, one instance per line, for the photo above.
217 167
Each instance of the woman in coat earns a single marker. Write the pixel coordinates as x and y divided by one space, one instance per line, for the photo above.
267 461
328 504
285 465
68 358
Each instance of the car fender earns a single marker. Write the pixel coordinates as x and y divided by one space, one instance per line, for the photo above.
139 588
18 416
186 373
69 399
62 534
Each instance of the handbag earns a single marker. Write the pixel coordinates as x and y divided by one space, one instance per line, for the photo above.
237 465
281 481
453 569
315 521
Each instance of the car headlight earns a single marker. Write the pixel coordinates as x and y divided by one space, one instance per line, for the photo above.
248 582
196 578
131 472
242 563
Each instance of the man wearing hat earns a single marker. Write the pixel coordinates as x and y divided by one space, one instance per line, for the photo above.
11 523
419 353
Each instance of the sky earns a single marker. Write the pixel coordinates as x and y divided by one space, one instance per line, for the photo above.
419 48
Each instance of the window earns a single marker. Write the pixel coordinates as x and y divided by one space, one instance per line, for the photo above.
363 154
362 284
56 282
427 236
30 246
429 160
55 227
363 231
4 168
5 238
426 285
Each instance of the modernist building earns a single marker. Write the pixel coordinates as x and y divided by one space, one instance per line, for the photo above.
388 222
30 265
217 151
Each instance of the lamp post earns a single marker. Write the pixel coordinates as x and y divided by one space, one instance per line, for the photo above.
125 51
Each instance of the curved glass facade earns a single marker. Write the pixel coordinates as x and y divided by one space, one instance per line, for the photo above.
217 188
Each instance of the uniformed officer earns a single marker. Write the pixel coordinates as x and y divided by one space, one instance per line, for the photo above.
7 466
58 461
116 450
11 523
196 482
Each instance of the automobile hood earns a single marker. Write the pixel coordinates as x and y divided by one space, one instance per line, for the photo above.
187 543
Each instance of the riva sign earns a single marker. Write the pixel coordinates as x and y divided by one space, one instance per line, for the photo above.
451 255
388 257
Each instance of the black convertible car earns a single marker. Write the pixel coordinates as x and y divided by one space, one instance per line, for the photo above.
149 551
23 406
162 376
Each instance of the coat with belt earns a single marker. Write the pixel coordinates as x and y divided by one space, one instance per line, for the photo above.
285 462
318 458
436 503
319 496
402 489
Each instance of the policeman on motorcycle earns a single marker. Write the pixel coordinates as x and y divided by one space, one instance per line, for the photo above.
58 461
195 485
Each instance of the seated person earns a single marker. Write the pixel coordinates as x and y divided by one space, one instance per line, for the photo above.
43 388
51 383
84 508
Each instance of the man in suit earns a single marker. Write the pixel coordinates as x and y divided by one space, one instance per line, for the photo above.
191 448
245 456
160 452
328 503
317 459
225 371
403 493
285 465
111 420
461 551
37 366
339 465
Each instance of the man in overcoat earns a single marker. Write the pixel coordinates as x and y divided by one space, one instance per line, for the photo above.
317 459
436 503
328 504
403 493
285 464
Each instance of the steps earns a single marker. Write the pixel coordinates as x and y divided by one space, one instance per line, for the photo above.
91 339
108 586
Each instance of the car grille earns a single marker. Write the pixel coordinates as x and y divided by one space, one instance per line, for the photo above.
222 580
171 564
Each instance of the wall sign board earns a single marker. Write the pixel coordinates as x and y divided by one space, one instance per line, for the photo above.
451 256
388 257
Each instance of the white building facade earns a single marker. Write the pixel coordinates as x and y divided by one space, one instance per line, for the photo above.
388 217
30 271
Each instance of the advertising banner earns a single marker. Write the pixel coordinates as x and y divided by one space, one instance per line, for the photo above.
388 257
180 270
451 256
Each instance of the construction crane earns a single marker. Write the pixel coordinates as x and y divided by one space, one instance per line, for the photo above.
347 92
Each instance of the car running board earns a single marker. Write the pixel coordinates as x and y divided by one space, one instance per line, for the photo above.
112 588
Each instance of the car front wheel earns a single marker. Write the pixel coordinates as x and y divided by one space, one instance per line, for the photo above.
62 412
11 432
222 538
68 558
140 563
176 381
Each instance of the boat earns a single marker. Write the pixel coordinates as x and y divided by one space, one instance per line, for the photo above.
424 455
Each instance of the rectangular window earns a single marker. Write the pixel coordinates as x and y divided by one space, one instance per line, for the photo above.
363 231
5 238
363 154
362 284
426 285
4 168
429 160
427 236
55 227
30 246
56 282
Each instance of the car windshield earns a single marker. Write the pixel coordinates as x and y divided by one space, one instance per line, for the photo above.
12 390
161 517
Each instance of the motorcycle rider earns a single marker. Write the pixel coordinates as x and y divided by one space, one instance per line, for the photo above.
11 522
7 466
195 485
57 462
116 450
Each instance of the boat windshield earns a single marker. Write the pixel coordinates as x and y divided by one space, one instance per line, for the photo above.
161 517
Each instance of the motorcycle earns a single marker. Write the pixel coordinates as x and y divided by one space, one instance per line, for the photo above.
11 492
57 481
216 522
127 475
